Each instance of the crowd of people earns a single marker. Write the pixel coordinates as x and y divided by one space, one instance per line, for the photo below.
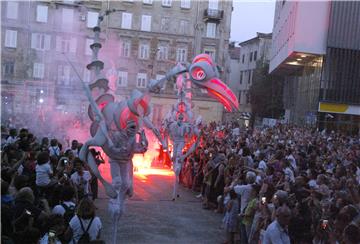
279 185
47 192
273 185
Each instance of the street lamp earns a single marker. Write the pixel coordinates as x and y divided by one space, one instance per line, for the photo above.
41 100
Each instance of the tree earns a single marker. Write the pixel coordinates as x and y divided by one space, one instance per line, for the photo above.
266 94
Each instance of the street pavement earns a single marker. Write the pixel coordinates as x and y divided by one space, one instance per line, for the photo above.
151 216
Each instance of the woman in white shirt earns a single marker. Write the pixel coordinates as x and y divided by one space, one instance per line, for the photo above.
85 221
43 170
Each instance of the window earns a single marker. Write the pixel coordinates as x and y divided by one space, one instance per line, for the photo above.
211 30
147 1
8 69
126 47
255 55
251 56
40 41
241 77
88 50
126 20
144 51
65 44
141 80
87 75
165 24
166 3
92 19
67 17
162 53
211 52
64 74
243 58
214 4
183 27
38 71
123 78
239 97
181 55
250 74
12 10
11 38
41 13
247 97
146 23
185 4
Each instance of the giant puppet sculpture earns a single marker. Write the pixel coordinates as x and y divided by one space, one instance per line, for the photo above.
115 124
179 124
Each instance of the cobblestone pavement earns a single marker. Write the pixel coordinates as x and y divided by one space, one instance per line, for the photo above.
151 216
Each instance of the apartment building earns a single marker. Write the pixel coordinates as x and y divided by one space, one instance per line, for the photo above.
140 41
249 56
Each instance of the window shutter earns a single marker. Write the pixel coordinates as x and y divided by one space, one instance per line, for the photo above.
33 40
47 42
8 38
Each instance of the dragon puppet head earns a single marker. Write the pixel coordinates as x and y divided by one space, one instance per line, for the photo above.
204 74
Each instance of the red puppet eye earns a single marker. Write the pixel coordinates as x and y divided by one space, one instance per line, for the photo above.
198 73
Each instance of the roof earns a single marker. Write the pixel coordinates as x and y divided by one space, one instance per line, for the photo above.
258 36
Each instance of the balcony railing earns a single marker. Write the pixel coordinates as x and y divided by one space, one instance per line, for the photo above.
213 14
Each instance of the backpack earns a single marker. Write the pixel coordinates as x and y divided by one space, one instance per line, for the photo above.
85 237
69 212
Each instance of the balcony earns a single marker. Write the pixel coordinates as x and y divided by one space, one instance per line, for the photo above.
213 14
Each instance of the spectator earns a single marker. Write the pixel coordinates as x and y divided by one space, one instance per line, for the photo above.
67 207
276 232
44 171
54 231
244 191
24 209
54 149
230 219
81 179
12 138
75 148
85 221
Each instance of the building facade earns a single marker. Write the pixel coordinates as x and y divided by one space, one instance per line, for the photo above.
253 54
141 41
39 41
316 45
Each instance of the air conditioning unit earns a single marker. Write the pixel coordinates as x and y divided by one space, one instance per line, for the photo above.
82 17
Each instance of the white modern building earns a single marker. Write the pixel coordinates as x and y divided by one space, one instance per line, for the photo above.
316 46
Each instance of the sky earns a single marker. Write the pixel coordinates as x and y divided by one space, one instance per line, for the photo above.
249 17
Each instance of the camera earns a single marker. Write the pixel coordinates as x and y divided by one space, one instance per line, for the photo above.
263 200
324 224
52 233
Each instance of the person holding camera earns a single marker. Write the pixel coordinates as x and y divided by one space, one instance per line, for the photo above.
81 179
54 231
